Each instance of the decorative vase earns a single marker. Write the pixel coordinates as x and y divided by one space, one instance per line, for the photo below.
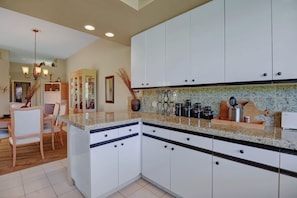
135 104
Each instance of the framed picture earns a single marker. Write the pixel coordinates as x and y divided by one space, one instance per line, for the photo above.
109 89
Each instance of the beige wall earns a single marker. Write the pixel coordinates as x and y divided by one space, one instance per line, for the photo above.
16 75
4 82
106 57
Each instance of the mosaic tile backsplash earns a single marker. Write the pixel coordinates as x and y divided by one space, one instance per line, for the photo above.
274 97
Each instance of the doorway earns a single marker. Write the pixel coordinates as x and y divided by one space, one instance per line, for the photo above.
19 91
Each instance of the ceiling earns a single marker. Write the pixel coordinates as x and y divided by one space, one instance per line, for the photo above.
61 24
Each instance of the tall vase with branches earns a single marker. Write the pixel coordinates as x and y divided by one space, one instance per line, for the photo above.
135 102
31 91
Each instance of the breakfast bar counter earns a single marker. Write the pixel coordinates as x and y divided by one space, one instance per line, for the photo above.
270 136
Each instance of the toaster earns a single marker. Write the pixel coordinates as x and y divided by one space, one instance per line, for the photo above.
289 120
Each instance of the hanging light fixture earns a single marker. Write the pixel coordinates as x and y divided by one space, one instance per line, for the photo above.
37 70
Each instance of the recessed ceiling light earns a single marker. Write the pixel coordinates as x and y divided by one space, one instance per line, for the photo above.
109 34
89 27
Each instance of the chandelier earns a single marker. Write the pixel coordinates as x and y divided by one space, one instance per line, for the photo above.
37 70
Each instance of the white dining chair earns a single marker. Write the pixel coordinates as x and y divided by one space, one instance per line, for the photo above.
26 127
56 128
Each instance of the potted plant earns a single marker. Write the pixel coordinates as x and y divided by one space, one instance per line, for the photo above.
135 102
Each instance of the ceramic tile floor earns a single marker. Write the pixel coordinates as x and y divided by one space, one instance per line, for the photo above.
50 181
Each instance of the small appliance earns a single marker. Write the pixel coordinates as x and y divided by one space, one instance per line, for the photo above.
289 120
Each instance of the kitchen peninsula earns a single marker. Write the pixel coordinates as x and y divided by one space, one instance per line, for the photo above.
172 151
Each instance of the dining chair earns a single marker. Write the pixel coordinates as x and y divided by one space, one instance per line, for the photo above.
26 127
49 126
56 127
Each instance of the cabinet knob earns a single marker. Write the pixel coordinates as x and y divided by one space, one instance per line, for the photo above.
165 146
130 129
217 163
279 73
188 139
122 144
172 149
186 80
142 84
193 80
241 151
154 131
147 84
105 135
115 146
265 74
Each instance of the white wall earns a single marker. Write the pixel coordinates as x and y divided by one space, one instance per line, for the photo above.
106 57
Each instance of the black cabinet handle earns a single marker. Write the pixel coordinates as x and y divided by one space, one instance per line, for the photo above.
105 135
241 151
122 144
186 80
188 139
172 149
115 146
165 146
193 80
130 129
217 163
154 131
279 73
265 74
142 83
147 84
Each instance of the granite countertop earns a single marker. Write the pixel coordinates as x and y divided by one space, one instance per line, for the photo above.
271 136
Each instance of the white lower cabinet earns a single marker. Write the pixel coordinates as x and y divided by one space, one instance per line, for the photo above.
129 159
288 175
232 179
183 171
190 172
104 169
114 164
156 161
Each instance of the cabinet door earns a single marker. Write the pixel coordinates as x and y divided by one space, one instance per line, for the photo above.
104 169
155 56
129 159
138 60
178 50
248 46
233 180
207 43
156 161
288 184
191 173
284 17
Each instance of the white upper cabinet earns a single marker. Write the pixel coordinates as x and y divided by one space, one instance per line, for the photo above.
207 43
284 23
178 50
148 58
248 46
138 60
155 56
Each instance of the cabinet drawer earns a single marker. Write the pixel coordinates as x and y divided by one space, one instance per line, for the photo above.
254 154
288 162
104 136
194 140
128 130
159 132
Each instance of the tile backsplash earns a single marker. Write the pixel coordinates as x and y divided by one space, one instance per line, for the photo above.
274 97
